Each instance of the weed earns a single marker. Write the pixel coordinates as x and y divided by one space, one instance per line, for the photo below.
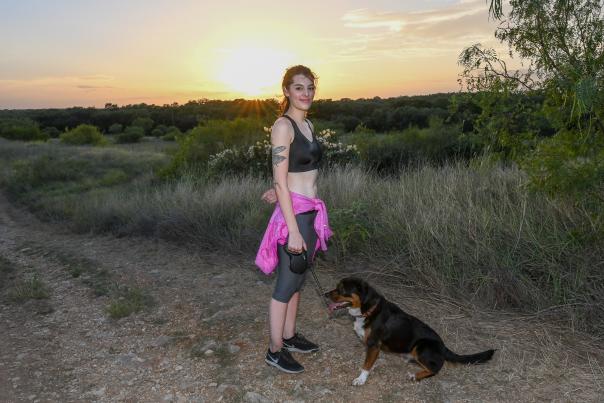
33 288
129 300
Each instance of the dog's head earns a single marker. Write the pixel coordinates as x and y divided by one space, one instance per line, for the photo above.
354 293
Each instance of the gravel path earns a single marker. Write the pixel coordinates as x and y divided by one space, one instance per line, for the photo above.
204 337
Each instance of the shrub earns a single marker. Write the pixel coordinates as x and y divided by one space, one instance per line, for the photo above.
144 123
388 153
172 134
34 288
115 128
132 134
567 164
21 129
255 159
83 134
159 130
213 137
51 131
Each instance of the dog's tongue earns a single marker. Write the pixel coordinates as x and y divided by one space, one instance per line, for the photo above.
333 306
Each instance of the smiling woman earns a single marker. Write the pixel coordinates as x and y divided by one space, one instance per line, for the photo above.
251 71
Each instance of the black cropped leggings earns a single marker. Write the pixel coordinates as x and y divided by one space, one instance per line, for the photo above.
288 282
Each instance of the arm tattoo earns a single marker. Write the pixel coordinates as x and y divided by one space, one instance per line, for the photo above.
278 158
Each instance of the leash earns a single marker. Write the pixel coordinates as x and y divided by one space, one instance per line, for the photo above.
320 291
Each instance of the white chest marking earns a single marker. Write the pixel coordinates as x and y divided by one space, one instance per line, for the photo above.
359 322
358 327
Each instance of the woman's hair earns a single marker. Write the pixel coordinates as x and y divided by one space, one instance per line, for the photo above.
288 79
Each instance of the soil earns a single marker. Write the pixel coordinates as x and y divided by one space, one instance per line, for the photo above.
205 336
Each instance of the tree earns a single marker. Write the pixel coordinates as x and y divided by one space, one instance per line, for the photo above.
561 46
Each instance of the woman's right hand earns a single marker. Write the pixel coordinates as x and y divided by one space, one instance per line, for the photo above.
270 196
295 243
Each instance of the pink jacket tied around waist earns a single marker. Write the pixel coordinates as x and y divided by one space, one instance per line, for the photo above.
276 232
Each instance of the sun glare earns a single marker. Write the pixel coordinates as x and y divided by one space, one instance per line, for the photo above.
253 71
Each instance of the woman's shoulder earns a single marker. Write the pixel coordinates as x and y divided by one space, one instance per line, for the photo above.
282 126
282 123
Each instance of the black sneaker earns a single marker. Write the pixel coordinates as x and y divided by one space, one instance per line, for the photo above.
283 360
299 344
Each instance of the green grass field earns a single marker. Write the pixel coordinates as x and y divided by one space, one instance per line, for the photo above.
468 231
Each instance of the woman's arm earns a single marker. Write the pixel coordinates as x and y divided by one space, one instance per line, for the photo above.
280 144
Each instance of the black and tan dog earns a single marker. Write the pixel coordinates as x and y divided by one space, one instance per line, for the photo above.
382 325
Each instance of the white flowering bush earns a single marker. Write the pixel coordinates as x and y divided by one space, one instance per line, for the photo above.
255 159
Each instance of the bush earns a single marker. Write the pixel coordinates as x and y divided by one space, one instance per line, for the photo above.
255 159
132 134
21 129
144 123
569 165
83 134
213 137
116 128
172 134
52 132
159 130
388 153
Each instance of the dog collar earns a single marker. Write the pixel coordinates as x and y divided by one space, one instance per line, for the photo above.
370 311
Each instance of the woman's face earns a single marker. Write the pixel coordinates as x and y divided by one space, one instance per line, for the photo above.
300 92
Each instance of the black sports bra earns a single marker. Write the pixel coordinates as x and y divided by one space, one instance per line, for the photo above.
304 155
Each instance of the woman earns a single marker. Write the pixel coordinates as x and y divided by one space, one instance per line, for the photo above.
299 222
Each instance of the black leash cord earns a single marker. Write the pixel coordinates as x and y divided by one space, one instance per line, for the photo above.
319 290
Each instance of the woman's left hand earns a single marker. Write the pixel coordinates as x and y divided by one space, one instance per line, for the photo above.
270 196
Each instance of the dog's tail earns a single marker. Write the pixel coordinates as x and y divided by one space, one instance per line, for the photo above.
477 358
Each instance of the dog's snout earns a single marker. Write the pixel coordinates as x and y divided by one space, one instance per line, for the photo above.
330 294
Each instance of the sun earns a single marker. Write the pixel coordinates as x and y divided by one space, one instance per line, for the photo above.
253 70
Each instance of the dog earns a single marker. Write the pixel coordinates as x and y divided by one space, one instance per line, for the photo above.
382 325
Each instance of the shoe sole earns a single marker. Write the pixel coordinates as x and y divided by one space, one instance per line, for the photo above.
274 364
297 350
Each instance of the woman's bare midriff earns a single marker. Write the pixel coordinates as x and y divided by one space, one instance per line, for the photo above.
304 183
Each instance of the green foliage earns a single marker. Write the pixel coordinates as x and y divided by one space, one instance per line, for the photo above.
159 130
84 134
115 128
255 159
22 129
210 138
129 300
44 170
351 227
387 153
33 288
132 134
51 132
172 134
144 123
565 164
560 43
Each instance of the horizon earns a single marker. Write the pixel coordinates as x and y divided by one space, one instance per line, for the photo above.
88 54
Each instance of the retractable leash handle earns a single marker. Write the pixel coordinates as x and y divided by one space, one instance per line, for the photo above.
320 291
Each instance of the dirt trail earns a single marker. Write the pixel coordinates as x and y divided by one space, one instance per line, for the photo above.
205 337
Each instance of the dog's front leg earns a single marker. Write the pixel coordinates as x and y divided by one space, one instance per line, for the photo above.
370 357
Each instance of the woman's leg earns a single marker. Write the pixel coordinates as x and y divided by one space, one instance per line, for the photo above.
283 307
277 316
290 318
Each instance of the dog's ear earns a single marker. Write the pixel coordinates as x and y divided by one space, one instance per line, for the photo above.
368 296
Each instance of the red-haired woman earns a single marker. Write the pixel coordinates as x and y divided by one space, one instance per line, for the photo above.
298 227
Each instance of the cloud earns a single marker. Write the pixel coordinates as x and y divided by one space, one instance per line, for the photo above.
426 33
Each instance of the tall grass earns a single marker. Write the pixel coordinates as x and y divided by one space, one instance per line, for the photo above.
472 232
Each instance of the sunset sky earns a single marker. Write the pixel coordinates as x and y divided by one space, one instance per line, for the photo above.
64 53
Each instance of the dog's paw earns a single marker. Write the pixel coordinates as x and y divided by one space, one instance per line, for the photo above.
411 376
361 379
